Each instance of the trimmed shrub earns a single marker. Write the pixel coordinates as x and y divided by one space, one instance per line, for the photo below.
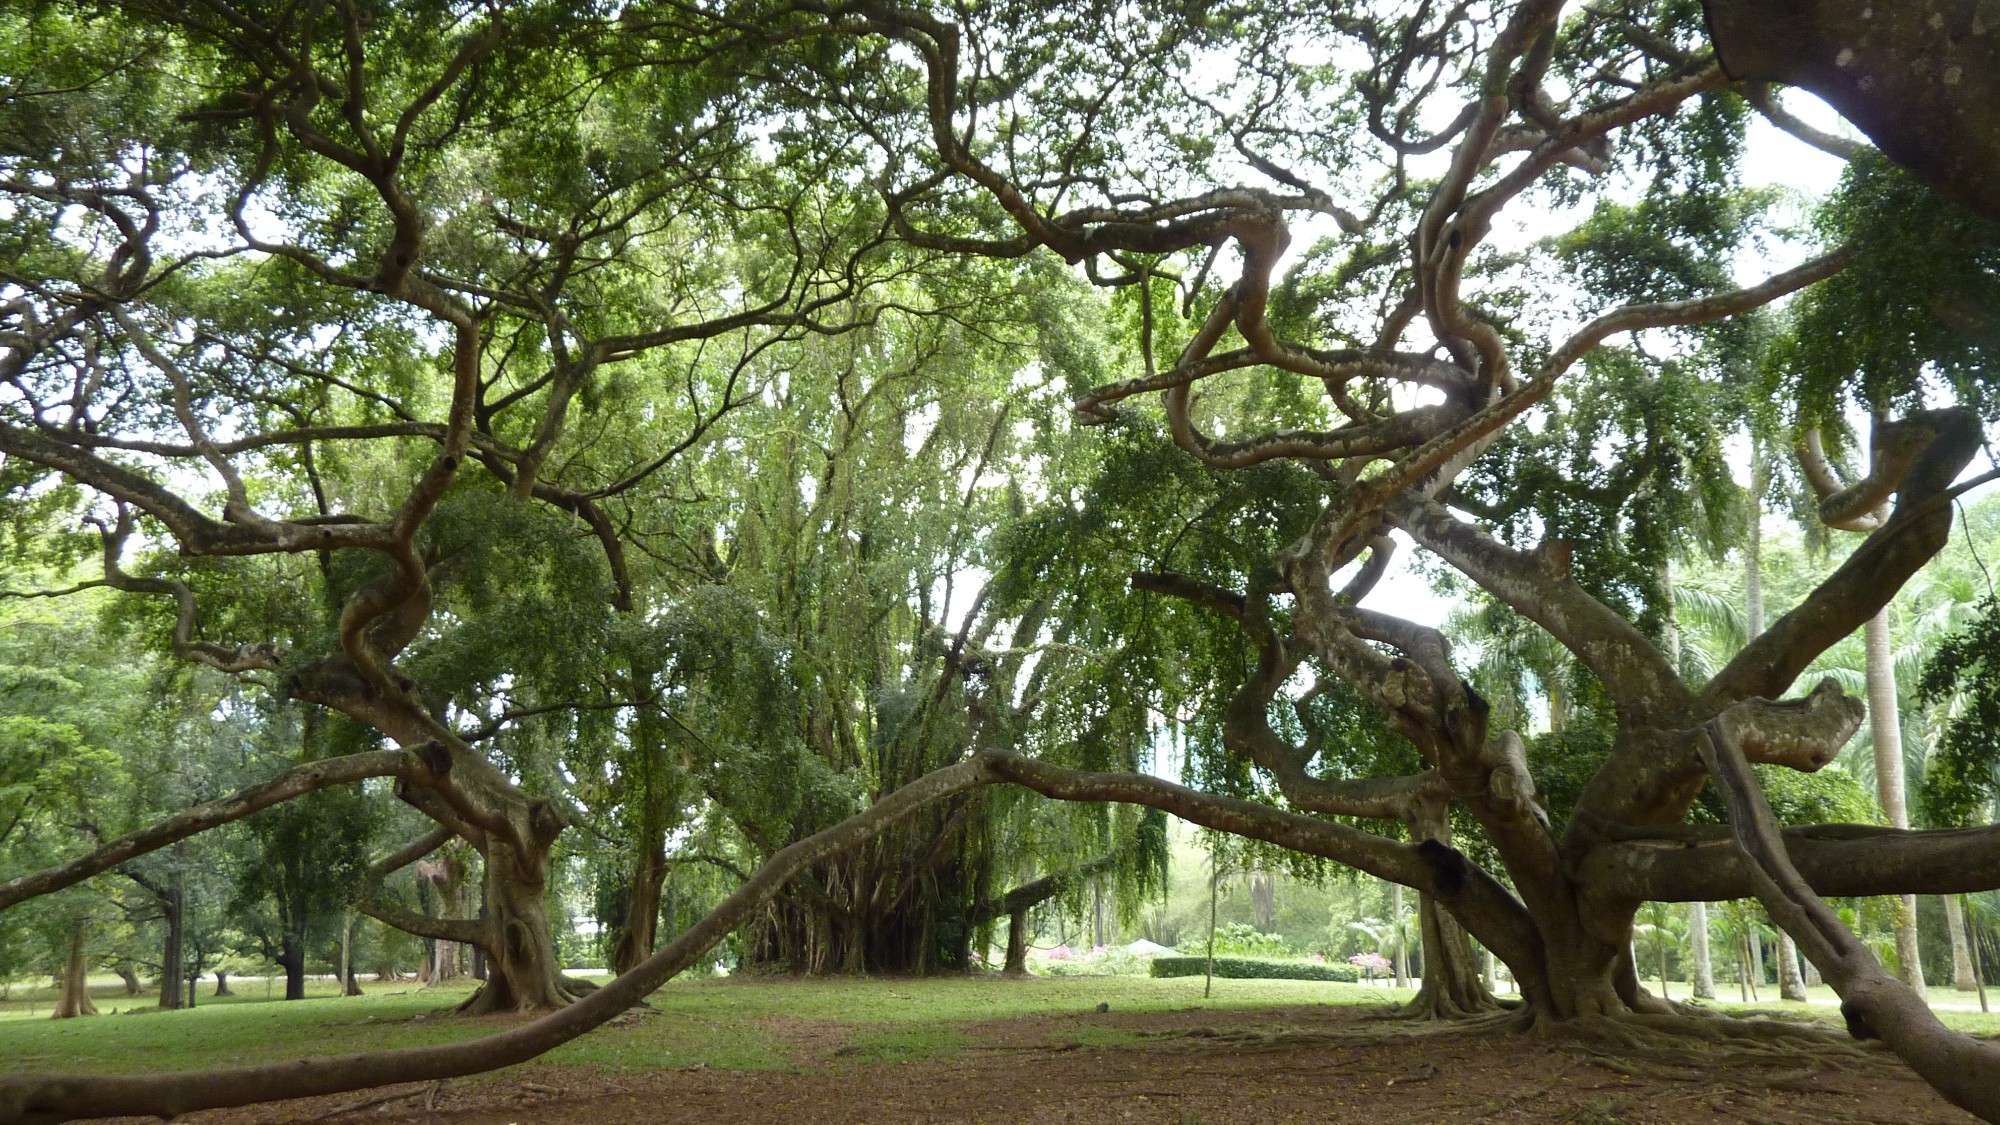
1244 968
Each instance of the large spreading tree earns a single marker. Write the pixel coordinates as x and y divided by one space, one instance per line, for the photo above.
316 311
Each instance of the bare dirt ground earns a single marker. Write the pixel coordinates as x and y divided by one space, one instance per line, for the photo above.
1196 1066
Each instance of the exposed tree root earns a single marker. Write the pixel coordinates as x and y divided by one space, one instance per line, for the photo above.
1381 1029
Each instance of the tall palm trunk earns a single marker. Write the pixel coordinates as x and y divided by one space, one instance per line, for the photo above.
1791 985
1703 969
1961 949
1886 726
1704 966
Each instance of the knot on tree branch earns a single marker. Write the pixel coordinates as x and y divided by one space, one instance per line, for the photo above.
436 758
1801 734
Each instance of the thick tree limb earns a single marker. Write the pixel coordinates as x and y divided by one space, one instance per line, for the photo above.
1697 863
1922 80
1876 1004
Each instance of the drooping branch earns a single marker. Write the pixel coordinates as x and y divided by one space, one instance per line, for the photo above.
1478 900
1031 894
295 782
1876 1004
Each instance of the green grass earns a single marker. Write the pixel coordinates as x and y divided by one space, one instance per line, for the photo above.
735 1023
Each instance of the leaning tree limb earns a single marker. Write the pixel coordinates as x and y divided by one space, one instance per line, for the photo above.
1876 1004
1489 911
36 1099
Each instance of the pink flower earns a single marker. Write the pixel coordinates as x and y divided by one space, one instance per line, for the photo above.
1061 953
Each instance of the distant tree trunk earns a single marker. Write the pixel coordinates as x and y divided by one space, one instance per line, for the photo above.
347 955
638 930
131 979
292 957
1017 944
173 973
1097 935
222 983
73 999
1791 984
1756 955
1704 965
1961 950
1885 725
1402 959
1214 892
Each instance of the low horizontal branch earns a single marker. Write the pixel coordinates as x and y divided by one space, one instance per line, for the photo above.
295 782
1839 861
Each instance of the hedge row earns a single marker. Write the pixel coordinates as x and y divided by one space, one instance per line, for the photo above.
1244 968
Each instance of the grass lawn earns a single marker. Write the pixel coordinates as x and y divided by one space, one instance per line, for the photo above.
732 1023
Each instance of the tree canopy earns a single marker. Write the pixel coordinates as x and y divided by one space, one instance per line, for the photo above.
795 438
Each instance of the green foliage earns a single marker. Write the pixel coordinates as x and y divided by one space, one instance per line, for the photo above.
1851 347
1962 777
1238 968
1239 938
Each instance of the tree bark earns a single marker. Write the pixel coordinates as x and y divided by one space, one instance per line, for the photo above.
292 956
1885 725
1017 944
638 930
222 983
73 998
131 979
1961 950
172 900
1874 1003
1922 80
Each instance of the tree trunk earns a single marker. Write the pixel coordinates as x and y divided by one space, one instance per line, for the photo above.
74 998
523 971
347 955
172 958
131 979
1704 965
1924 86
1756 939
639 929
1017 945
656 798
1791 985
1961 950
1402 959
292 956
222 983
1451 987
1885 725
